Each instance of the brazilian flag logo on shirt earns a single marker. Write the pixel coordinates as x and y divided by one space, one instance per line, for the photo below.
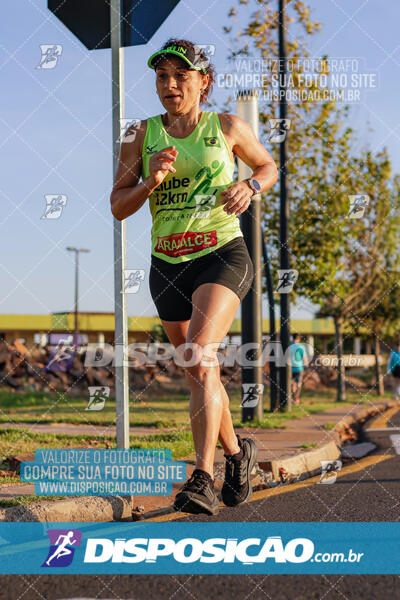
212 141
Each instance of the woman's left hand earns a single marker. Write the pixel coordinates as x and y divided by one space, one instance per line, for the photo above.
237 198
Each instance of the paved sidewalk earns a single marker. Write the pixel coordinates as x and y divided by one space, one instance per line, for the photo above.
272 443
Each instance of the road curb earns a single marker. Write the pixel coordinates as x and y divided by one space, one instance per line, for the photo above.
377 430
361 416
302 465
308 463
83 509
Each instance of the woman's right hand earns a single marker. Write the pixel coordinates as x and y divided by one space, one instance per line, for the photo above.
160 164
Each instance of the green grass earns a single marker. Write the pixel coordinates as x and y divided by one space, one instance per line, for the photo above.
27 499
8 479
312 401
308 445
22 441
168 411
329 425
161 412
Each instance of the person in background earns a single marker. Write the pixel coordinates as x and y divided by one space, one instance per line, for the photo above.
298 358
394 369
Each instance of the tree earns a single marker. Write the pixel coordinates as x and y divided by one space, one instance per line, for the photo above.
339 258
379 245
319 159
158 334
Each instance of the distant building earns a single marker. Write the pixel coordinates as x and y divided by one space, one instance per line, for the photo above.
99 327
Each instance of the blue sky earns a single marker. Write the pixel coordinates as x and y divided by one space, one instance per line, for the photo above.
55 127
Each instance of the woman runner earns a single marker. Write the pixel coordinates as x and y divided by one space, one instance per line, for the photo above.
200 266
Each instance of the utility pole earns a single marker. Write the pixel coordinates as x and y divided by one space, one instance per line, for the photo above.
273 371
76 326
285 400
252 375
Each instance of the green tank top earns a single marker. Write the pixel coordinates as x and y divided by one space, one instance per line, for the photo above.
188 217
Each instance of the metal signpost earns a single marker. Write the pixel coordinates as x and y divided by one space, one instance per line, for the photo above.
252 376
121 320
100 24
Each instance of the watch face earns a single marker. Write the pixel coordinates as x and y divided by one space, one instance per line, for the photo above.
255 184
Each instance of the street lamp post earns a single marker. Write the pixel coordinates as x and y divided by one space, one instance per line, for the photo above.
77 252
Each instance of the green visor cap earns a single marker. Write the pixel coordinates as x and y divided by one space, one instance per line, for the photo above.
189 55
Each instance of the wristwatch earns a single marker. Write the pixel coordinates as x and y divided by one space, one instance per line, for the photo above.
253 185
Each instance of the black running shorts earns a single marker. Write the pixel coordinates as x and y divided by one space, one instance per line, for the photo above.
172 284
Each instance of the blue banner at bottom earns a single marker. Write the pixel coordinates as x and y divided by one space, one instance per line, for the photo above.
209 548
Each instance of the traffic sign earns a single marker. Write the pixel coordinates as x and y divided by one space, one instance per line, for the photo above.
89 20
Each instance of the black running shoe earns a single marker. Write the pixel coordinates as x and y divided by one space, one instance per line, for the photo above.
197 495
237 487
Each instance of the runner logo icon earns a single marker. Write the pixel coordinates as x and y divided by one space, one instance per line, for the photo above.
60 552
251 393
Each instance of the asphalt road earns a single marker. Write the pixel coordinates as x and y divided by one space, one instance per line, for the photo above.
394 421
371 493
